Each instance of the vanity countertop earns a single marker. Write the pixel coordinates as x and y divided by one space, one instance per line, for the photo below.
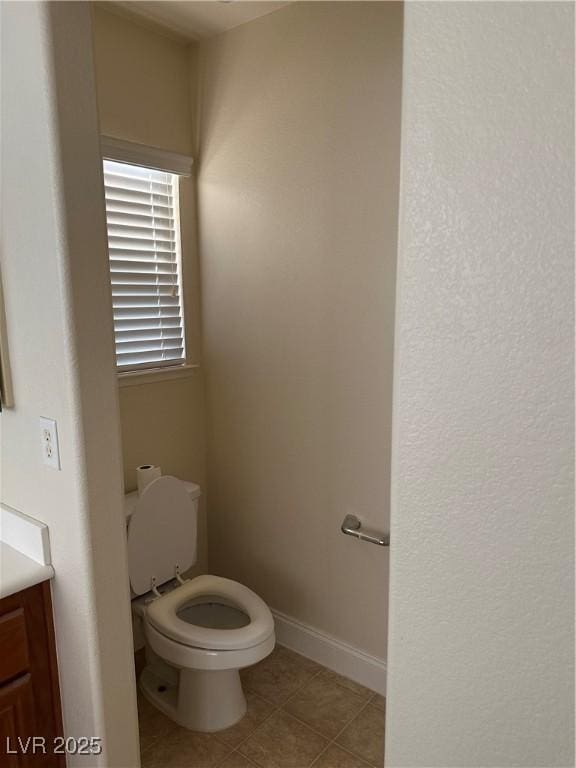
18 572
24 551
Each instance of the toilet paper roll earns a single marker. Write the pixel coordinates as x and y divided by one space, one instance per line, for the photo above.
145 474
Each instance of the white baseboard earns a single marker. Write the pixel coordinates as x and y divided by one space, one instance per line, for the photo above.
330 652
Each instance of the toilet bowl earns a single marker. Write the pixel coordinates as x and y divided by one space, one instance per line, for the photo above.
199 633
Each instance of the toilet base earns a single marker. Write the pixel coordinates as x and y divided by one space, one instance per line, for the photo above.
199 700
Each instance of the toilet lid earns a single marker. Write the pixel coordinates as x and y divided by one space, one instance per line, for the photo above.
163 615
161 534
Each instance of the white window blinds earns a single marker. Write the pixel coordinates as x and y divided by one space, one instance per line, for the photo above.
144 250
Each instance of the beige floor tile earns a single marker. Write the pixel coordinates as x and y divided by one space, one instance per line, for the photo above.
317 697
325 705
279 676
185 749
336 757
365 735
283 742
258 710
236 760
152 723
379 701
356 688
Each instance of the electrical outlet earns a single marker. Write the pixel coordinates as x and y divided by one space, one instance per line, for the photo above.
49 438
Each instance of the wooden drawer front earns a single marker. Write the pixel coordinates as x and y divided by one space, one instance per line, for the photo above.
14 644
17 721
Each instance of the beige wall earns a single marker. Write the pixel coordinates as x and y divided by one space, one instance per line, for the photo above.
298 156
143 82
59 324
145 95
481 652
298 191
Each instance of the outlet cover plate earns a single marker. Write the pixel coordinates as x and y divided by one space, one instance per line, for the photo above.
49 442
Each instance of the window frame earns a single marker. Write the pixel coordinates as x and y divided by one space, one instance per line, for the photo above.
131 153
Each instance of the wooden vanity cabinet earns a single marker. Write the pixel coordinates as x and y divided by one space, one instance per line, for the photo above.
29 693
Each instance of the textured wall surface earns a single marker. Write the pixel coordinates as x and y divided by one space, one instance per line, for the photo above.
482 565
146 84
143 82
298 194
58 307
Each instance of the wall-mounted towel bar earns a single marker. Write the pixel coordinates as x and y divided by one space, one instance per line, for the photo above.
353 527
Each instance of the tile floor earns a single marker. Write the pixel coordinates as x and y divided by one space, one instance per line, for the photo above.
299 715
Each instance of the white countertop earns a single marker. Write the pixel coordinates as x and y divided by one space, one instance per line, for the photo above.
19 572
24 551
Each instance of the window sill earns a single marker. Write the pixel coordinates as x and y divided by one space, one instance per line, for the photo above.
152 375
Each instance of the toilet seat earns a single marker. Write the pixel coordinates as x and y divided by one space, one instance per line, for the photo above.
162 615
162 534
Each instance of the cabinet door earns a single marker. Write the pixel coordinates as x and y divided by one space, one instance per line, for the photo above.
29 697
17 722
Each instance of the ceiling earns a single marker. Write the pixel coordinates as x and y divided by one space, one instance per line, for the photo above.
196 20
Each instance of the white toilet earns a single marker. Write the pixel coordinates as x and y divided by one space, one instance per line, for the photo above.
199 633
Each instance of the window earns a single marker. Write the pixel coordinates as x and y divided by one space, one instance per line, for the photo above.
144 247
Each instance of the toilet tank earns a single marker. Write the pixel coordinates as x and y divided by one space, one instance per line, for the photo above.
162 532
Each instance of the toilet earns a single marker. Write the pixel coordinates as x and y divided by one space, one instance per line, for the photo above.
200 632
